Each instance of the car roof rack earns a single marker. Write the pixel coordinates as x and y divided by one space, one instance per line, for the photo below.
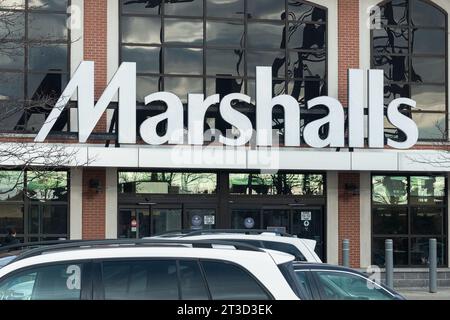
29 245
89 244
234 231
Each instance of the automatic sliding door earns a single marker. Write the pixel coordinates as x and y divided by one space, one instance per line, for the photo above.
165 219
198 219
308 224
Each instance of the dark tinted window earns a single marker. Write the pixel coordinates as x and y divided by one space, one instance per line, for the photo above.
230 282
410 46
57 282
305 286
192 283
346 286
285 247
140 280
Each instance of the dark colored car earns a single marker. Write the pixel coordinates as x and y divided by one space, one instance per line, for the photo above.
330 282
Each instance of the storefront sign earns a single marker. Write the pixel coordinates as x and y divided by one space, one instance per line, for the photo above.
124 83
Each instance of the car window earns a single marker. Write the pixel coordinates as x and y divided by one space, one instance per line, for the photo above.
304 283
285 247
230 282
345 286
56 282
140 280
192 284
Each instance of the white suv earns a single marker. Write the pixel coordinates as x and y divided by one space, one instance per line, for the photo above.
149 269
301 249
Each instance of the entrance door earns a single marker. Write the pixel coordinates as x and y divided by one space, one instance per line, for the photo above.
133 222
304 223
149 220
307 223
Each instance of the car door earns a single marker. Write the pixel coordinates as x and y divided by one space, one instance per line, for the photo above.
346 285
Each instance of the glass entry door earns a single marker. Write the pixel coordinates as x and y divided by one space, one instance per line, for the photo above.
305 223
149 220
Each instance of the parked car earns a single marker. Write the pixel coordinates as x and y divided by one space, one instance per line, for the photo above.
329 282
301 249
149 269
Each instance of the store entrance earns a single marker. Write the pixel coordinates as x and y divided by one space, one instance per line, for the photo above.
147 220
304 222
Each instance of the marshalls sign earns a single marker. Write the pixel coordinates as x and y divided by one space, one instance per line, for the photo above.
124 83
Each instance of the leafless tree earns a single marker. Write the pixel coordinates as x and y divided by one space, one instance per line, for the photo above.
20 154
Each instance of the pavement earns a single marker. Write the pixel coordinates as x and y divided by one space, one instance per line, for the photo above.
423 294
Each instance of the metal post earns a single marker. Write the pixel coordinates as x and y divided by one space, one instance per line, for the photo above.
389 263
432 259
346 253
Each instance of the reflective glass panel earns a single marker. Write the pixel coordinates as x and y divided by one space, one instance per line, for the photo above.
55 5
431 125
12 86
47 186
395 67
51 58
389 190
395 12
427 190
187 32
427 220
299 10
168 182
428 70
425 14
11 216
147 85
12 4
9 30
228 34
306 36
266 9
48 27
266 35
145 30
420 251
147 58
225 62
307 65
429 98
225 8
428 41
181 86
183 61
184 8
401 249
12 56
390 220
141 7
11 185
274 59
54 219
390 40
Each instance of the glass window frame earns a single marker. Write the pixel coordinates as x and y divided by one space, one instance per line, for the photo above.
410 207
27 44
27 203
285 77
410 58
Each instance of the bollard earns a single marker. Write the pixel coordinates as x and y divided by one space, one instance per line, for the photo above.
432 260
346 253
389 263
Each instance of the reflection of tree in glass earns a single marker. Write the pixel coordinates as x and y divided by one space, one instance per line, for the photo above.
389 190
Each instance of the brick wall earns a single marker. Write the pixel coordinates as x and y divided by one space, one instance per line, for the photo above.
95 49
348 33
94 205
95 46
349 220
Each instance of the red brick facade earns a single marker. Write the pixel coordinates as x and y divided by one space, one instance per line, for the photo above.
94 204
348 33
349 219
95 49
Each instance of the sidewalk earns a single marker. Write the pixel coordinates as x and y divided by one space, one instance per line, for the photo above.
423 294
